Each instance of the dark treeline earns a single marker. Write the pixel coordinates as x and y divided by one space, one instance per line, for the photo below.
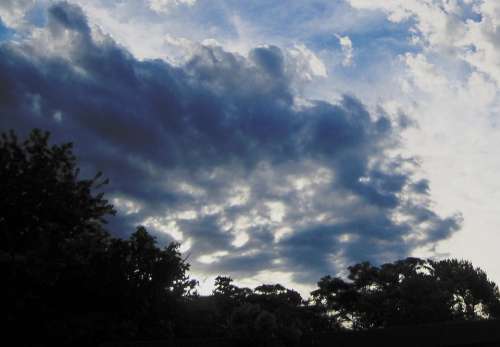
67 281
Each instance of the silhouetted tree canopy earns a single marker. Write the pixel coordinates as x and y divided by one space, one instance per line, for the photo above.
68 280
410 291
43 202
269 312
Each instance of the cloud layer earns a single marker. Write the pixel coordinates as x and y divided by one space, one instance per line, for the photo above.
221 154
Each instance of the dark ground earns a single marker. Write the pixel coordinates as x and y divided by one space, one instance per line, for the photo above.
463 334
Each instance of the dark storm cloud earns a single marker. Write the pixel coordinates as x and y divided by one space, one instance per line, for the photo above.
219 151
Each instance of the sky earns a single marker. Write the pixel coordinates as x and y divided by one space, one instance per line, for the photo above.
276 141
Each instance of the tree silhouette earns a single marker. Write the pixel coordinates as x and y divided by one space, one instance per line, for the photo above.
268 315
43 201
69 281
410 291
474 296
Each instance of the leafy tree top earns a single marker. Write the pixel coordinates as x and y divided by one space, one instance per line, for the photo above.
409 291
43 199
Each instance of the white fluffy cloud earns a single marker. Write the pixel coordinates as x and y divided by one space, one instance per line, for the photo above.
12 12
466 29
163 6
347 50
483 41
306 64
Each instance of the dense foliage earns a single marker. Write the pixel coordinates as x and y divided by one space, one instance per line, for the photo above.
410 291
66 278
68 281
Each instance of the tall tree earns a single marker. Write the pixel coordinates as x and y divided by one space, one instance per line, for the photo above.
66 278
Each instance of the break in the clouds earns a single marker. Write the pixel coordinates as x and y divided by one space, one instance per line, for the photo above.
221 154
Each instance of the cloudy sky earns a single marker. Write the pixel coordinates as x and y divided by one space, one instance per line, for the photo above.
277 141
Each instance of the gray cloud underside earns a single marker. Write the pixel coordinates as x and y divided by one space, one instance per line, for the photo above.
219 151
